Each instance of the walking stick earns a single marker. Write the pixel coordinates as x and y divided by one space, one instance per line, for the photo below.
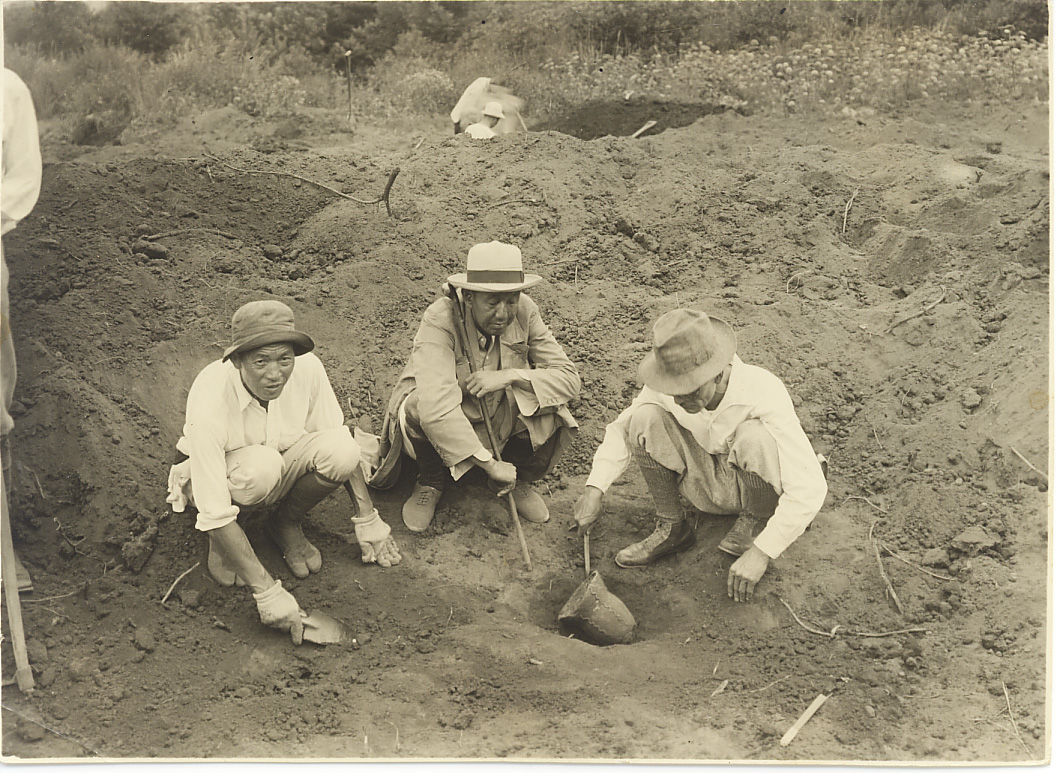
461 334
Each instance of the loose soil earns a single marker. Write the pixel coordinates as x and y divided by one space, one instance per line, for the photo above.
894 272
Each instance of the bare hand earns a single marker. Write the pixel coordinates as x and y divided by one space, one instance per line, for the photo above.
745 573
504 474
587 508
484 382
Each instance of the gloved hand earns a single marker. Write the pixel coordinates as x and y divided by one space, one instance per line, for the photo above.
279 609
375 541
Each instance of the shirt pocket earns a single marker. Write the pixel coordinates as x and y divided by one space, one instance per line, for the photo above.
514 354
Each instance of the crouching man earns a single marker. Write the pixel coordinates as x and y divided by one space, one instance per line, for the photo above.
264 428
520 375
722 434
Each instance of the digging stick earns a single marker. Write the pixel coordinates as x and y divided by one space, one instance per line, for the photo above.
348 78
23 672
459 319
786 739
586 552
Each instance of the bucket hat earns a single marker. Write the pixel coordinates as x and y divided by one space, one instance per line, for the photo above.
494 267
689 347
494 109
259 323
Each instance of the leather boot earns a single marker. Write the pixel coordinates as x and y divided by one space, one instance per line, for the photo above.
286 521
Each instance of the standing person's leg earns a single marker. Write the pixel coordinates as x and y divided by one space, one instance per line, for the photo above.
8 375
433 474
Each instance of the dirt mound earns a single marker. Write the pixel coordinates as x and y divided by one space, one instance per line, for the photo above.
899 288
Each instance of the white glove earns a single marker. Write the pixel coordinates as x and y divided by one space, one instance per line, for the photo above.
279 609
376 544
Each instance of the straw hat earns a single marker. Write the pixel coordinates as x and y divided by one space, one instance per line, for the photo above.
689 348
259 323
494 267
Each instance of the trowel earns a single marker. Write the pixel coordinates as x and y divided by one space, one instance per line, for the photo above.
321 628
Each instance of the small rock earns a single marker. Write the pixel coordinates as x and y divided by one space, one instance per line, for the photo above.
846 412
151 249
243 692
364 638
190 598
647 269
38 653
936 557
144 640
81 669
30 731
48 677
272 251
973 540
137 657
137 550
970 399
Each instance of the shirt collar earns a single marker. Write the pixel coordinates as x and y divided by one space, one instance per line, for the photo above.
243 395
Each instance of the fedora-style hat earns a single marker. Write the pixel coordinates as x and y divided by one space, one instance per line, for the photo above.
494 267
259 323
689 347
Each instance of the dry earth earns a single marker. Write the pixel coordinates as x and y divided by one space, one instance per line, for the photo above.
893 271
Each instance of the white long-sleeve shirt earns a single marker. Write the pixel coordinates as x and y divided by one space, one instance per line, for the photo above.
20 185
223 416
752 393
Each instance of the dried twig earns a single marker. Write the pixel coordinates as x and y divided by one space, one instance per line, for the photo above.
1012 718
179 231
722 686
515 201
397 734
177 581
788 284
863 634
916 314
1031 466
53 598
776 681
49 728
895 555
876 436
883 573
847 209
384 197
863 499
831 635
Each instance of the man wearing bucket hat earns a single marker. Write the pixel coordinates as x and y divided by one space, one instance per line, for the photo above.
485 129
519 374
719 432
264 428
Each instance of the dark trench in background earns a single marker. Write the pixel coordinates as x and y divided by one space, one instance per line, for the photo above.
622 119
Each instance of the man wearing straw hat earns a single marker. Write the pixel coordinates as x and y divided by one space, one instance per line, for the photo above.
485 129
519 374
719 432
263 429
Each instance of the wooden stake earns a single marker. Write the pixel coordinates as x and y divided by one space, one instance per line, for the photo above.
787 738
23 672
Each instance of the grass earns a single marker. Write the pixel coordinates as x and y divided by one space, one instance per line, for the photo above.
876 69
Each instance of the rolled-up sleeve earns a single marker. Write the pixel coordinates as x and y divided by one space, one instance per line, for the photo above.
803 485
554 378
205 437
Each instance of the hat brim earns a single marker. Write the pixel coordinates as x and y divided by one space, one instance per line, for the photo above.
461 280
301 342
660 380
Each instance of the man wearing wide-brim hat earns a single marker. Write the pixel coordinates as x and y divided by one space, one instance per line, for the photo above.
520 375
721 433
263 429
